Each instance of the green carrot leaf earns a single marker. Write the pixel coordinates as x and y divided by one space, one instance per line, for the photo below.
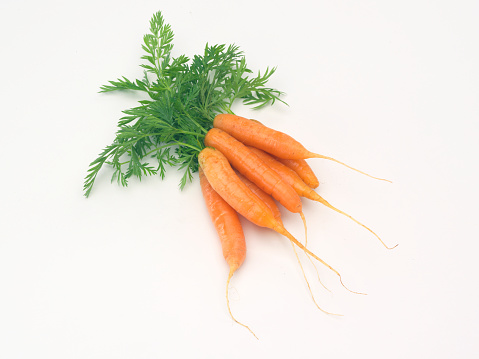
183 96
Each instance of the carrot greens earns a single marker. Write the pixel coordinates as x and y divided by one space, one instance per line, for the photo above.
183 96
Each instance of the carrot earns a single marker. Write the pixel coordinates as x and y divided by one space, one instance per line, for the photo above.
227 184
274 142
300 166
267 199
289 176
230 232
247 163
302 169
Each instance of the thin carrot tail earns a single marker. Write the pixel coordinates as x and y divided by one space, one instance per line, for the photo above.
354 169
306 244
232 270
305 229
317 273
307 283
327 204
352 291
284 232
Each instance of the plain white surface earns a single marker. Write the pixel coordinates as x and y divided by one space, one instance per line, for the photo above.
388 87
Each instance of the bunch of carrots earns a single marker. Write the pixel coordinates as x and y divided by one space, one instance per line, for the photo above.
245 167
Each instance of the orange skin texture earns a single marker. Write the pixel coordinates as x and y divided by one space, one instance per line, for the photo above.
304 171
227 225
253 133
287 174
227 184
267 199
253 168
301 167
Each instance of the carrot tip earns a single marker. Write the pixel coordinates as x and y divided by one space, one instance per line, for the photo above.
232 270
307 283
352 291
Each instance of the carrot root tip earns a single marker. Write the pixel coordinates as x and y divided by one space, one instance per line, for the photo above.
307 283
352 291
232 270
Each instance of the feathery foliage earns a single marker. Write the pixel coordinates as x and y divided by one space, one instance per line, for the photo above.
183 97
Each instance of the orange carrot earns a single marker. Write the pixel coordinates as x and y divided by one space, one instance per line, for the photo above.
255 170
300 166
267 199
230 232
227 184
289 176
247 163
302 169
274 142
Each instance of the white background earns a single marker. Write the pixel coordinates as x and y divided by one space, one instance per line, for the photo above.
388 87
